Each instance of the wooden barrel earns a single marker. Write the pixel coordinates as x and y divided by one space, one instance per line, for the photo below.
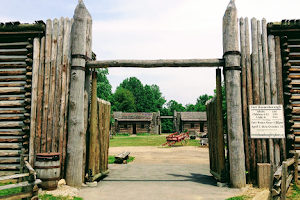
47 167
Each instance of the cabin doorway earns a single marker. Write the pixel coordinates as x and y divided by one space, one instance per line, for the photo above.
133 128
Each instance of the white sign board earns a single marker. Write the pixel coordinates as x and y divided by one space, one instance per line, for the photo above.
266 121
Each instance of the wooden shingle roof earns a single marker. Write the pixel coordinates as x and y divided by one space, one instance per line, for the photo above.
139 116
193 116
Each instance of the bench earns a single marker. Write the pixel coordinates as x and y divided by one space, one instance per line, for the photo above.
122 157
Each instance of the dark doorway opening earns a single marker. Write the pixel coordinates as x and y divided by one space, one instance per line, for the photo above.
133 128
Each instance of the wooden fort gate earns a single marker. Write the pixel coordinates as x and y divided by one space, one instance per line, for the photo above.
75 95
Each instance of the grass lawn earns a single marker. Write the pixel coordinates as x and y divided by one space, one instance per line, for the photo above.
144 140
294 192
51 197
9 191
111 159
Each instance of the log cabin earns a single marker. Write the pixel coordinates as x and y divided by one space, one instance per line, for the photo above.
134 123
193 122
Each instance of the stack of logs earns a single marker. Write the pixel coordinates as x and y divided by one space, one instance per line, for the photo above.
15 100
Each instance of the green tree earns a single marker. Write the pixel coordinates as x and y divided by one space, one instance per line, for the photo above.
174 105
136 87
103 85
123 100
200 103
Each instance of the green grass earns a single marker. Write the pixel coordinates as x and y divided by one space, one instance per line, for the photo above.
243 197
9 191
111 159
294 193
51 197
145 140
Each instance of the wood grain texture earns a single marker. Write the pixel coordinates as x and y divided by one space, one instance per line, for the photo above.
244 96
46 85
40 88
233 97
76 100
34 98
50 134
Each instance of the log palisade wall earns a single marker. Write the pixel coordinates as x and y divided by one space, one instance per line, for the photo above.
50 94
16 63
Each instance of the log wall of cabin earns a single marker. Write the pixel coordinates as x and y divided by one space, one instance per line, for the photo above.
127 127
196 127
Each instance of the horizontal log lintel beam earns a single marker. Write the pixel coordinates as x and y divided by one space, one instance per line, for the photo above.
156 63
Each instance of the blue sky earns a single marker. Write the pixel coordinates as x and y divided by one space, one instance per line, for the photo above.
155 29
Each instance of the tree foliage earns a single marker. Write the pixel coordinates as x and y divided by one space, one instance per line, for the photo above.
103 85
123 100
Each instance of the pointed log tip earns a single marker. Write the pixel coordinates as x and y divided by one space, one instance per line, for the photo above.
231 4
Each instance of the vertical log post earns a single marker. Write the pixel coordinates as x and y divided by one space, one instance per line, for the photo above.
233 96
220 142
267 83
94 125
255 71
273 81
76 99
244 95
34 98
87 88
261 86
296 168
280 87
252 172
283 180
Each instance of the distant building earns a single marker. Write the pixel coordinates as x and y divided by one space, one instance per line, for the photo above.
133 123
190 121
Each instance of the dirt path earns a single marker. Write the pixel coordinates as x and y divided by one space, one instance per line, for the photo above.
174 155
180 173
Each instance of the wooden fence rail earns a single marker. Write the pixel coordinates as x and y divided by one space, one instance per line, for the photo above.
27 180
283 177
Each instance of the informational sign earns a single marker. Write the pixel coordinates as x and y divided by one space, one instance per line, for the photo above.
266 121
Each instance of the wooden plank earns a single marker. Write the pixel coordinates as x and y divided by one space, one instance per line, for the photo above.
13 176
233 97
9 160
13 133
13 51
101 134
12 73
58 86
12 103
219 123
12 58
23 184
284 180
12 65
46 85
255 76
156 63
39 106
11 124
252 171
50 134
11 145
9 153
15 90
94 144
21 195
278 173
76 100
63 111
261 85
34 93
107 123
15 45
296 166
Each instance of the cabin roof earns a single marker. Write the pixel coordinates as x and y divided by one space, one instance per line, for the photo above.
138 116
193 116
